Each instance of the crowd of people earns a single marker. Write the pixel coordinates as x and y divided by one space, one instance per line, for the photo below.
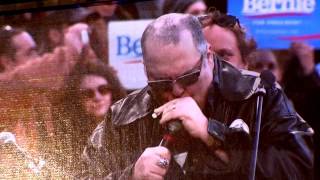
65 114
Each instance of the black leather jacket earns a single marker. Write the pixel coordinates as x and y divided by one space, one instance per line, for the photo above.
285 150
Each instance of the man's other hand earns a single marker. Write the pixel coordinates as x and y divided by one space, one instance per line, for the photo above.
152 164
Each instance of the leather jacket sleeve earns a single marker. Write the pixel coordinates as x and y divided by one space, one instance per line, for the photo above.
286 150
101 159
285 147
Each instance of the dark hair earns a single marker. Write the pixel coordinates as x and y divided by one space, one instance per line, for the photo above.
214 17
73 125
72 99
99 69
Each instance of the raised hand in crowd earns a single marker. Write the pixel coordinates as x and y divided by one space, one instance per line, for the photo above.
76 36
305 55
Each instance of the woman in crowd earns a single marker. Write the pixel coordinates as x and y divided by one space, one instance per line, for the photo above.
90 90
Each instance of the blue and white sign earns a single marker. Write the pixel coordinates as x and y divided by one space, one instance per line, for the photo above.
125 52
276 23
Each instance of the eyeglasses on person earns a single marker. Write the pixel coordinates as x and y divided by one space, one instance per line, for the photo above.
91 93
166 85
215 17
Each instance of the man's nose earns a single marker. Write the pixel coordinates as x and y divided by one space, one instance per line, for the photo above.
177 90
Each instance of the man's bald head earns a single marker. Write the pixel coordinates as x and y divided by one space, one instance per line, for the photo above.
167 30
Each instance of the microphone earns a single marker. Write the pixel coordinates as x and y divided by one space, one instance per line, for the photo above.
267 81
8 139
173 127
267 78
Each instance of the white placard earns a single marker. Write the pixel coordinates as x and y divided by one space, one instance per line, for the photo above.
125 52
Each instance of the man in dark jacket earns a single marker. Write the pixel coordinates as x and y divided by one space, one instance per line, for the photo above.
215 105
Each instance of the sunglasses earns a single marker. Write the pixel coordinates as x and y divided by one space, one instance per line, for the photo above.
91 93
166 85
226 21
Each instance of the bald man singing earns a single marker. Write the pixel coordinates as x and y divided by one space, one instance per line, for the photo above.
212 101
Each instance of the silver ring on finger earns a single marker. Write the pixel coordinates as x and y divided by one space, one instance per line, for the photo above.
163 163
173 107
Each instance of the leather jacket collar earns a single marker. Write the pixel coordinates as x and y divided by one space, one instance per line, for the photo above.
234 84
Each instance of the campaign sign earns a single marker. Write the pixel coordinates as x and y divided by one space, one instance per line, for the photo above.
276 23
125 53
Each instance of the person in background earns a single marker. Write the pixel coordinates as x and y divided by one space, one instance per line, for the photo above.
90 90
263 59
17 48
49 70
227 37
52 27
301 82
26 92
212 101
98 18
194 7
55 23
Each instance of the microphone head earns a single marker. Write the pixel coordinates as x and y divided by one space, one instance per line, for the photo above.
267 78
7 138
174 126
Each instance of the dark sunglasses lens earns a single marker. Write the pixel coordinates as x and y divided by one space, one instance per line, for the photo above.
189 79
88 93
104 89
228 21
160 86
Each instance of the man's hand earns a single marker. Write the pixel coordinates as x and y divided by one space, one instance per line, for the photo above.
149 165
74 36
188 111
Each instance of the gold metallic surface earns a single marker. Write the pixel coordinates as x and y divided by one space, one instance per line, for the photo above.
45 151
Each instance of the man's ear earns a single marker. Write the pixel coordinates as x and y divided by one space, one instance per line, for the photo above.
209 47
210 55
